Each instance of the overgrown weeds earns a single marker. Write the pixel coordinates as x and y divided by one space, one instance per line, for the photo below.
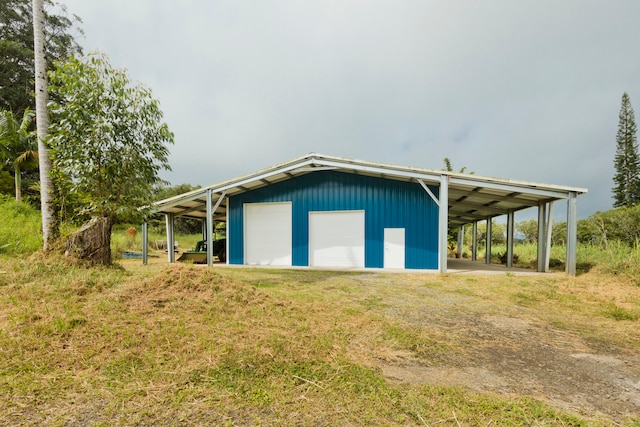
615 258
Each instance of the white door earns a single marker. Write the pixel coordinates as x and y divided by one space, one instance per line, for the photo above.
394 248
267 233
336 239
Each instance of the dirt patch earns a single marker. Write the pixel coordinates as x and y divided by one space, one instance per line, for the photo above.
515 356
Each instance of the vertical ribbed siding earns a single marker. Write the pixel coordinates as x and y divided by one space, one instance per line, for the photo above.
387 204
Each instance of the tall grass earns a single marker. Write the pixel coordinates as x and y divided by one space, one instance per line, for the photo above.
20 227
616 258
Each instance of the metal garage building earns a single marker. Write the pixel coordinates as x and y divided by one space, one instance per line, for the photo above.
324 211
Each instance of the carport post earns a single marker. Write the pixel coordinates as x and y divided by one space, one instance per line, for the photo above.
209 229
443 222
510 232
460 240
145 243
547 250
572 233
488 245
542 219
171 255
545 229
474 242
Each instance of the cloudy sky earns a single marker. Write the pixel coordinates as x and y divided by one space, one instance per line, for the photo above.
526 90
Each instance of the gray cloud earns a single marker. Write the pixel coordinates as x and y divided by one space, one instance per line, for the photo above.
525 90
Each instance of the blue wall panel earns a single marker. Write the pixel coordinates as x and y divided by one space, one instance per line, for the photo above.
387 204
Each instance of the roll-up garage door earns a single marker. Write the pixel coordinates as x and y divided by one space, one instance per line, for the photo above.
336 239
267 233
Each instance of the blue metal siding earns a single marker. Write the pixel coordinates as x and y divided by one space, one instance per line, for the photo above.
387 204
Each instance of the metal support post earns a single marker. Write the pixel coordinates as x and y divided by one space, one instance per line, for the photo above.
510 233
488 239
572 233
171 255
443 222
474 242
145 243
542 219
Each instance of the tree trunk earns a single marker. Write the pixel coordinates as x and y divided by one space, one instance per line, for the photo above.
92 242
49 223
18 179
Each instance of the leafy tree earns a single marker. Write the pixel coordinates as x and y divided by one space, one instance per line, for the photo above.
626 191
529 230
498 233
18 144
622 224
109 144
16 48
162 192
559 233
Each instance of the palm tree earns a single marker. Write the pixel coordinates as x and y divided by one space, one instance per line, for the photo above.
49 223
18 144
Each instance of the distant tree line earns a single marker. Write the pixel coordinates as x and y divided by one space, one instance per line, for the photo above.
602 228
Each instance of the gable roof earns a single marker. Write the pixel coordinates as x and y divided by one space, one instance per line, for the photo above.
470 197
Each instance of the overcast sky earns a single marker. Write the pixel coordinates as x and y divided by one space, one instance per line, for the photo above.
526 90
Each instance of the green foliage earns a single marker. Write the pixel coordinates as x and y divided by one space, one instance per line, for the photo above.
622 224
529 230
602 228
18 145
6 182
618 259
19 228
16 48
497 233
626 191
162 192
448 166
559 233
107 137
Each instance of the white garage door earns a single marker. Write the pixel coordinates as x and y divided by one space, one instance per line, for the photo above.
336 239
267 233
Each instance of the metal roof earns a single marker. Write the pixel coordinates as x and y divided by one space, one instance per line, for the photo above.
471 197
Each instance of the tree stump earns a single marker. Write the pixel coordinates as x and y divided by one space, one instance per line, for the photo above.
92 242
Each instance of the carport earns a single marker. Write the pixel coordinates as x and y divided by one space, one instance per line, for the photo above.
461 199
